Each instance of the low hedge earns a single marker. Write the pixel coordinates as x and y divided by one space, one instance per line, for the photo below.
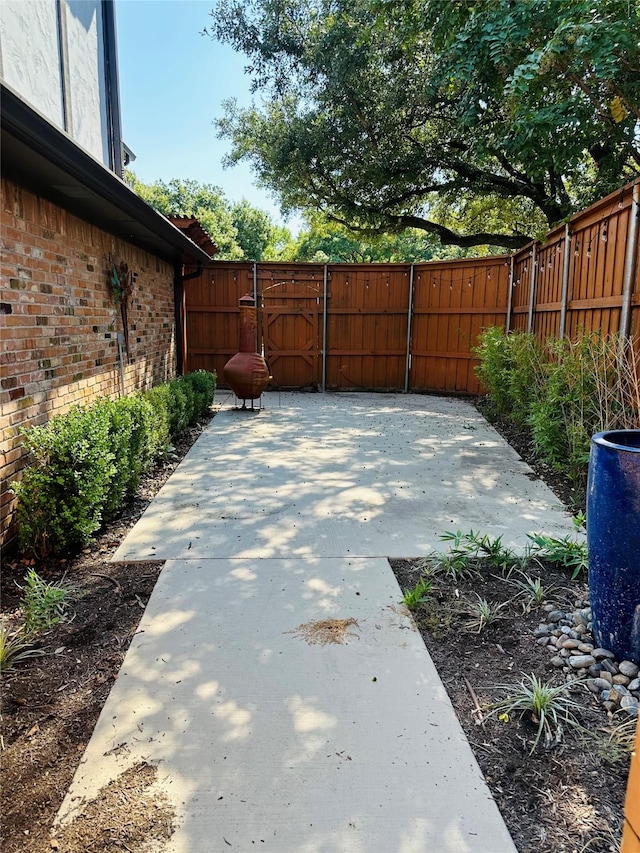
86 464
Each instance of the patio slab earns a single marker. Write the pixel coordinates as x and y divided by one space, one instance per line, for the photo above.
266 740
280 519
343 474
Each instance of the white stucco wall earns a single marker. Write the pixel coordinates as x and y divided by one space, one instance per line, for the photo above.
87 76
30 54
31 64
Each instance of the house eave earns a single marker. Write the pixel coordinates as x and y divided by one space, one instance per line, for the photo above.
46 161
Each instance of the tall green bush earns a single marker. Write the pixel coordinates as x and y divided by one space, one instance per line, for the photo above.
512 370
564 392
86 464
63 492
203 384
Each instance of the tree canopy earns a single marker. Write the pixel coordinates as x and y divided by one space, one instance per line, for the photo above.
325 241
395 114
241 231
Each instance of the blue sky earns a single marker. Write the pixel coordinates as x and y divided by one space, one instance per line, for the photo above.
172 84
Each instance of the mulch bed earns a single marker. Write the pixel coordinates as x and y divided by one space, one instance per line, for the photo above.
50 704
568 798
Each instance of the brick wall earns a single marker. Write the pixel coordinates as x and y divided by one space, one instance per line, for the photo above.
59 328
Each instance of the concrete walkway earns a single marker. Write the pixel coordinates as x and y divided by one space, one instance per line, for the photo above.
275 522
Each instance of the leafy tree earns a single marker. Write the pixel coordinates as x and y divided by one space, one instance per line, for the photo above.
205 202
324 241
241 232
261 239
394 114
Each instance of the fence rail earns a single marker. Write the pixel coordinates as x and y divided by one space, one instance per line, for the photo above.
413 327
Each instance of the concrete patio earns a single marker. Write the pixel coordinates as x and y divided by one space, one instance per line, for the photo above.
275 521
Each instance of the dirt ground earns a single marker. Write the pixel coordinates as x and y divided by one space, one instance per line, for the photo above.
560 800
50 704
566 797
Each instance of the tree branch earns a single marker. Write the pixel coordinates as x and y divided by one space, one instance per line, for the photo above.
446 236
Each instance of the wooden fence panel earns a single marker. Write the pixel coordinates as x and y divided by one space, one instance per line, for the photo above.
212 315
367 321
453 302
597 257
599 241
291 300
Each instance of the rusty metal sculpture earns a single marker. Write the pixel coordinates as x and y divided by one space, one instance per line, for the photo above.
246 372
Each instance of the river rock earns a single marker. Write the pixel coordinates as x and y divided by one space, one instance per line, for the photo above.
620 689
610 666
542 631
630 705
634 684
586 648
621 679
628 668
570 643
556 615
544 641
557 661
601 654
581 661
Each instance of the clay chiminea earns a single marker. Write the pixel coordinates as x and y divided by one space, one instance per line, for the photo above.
246 372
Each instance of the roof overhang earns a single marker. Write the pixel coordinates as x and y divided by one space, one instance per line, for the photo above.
46 161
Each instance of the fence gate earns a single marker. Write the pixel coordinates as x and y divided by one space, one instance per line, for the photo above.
291 302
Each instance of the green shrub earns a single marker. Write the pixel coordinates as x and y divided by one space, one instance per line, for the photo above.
124 468
179 408
86 465
512 370
493 369
565 392
203 385
159 398
63 493
568 412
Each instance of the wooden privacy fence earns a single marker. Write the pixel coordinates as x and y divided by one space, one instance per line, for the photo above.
412 327
584 276
370 326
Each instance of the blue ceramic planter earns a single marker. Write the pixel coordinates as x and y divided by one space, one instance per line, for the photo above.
613 539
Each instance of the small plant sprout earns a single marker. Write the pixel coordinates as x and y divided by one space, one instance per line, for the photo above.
532 592
565 552
615 742
579 521
418 595
481 550
482 613
14 647
548 705
44 604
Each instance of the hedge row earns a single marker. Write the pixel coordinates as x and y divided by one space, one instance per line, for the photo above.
562 391
86 464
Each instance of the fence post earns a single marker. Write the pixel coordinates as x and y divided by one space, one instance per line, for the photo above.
630 265
564 296
507 324
324 327
532 294
409 321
